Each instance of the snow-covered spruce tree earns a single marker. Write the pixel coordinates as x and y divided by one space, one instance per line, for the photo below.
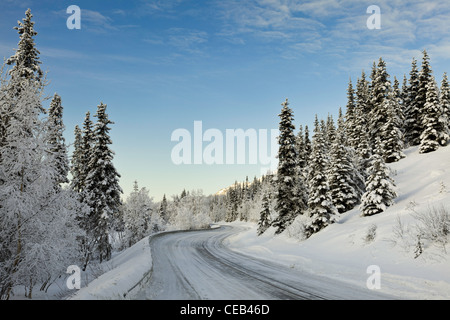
425 77
300 145
380 88
380 188
345 182
320 206
264 220
399 111
56 141
330 130
351 120
444 97
362 109
163 210
26 61
232 203
83 145
82 154
102 185
76 164
25 66
434 122
391 133
413 122
289 202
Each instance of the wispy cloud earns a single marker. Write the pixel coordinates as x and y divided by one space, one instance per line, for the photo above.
337 28
96 21
182 40
186 39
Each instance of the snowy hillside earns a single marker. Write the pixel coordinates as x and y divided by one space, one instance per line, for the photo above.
342 250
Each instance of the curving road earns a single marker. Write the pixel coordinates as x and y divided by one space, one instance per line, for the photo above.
196 265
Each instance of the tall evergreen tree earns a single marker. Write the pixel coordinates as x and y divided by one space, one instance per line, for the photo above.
444 98
25 66
399 111
391 132
320 206
345 182
381 86
163 210
425 78
289 204
300 145
351 128
102 183
380 188
435 126
307 140
26 61
76 164
362 110
413 123
56 141
264 220
232 204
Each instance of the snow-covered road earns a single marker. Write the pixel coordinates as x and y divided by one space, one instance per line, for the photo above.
197 265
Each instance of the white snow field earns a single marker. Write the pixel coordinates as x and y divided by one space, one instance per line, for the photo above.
337 258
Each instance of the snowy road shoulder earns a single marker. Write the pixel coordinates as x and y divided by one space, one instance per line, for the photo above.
128 269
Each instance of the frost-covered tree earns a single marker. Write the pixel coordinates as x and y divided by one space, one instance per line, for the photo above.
137 213
362 109
330 130
391 132
345 181
399 110
76 164
289 202
265 215
413 122
320 206
434 122
82 154
425 78
39 232
301 150
102 185
232 204
380 188
308 147
37 220
163 209
444 96
380 88
56 141
191 212
25 61
351 119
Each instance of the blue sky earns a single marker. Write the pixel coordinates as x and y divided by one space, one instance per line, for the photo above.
161 65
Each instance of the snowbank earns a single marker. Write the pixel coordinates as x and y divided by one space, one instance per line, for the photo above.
128 269
342 250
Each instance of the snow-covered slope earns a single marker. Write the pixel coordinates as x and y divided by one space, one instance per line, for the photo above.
342 250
